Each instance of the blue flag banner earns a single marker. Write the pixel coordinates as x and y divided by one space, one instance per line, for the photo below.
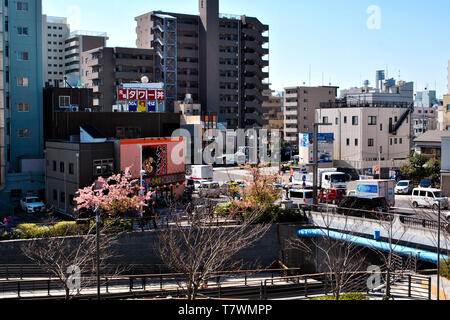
132 106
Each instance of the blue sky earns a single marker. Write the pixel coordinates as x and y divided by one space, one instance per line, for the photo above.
331 36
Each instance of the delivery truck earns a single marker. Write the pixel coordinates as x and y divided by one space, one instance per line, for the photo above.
327 178
380 188
202 172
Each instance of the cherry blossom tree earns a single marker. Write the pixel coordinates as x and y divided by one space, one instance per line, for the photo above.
114 195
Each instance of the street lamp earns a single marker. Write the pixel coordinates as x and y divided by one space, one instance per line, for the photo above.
315 152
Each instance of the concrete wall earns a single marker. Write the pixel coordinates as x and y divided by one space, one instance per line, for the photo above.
138 248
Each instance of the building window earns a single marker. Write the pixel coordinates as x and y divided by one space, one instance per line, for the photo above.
395 141
345 119
381 127
356 142
62 197
23 133
64 101
54 165
337 121
325 120
22 82
55 195
348 142
71 168
401 140
61 167
23 107
355 120
372 121
22 56
371 143
22 6
103 167
391 142
23 31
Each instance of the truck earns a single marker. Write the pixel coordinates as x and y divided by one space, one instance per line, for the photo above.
380 188
202 172
327 178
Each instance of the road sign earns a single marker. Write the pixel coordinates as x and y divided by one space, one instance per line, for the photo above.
304 178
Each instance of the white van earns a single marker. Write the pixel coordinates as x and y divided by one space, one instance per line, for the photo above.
304 196
430 198
209 190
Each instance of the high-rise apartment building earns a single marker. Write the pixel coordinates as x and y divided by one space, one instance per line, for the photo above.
55 31
216 58
77 43
105 69
300 104
379 78
21 123
273 111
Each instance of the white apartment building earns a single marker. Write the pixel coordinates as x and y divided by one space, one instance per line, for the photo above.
300 104
366 137
55 30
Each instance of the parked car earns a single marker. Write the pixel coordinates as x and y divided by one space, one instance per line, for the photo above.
333 196
404 187
352 204
425 183
429 198
209 190
195 183
32 205
304 196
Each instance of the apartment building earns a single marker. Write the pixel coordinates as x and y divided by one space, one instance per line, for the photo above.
55 31
445 125
273 111
105 69
300 105
21 123
424 119
392 93
368 136
220 60
77 43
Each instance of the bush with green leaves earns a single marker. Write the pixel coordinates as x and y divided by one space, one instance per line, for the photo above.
445 268
344 296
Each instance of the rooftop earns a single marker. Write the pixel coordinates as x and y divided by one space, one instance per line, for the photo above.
433 136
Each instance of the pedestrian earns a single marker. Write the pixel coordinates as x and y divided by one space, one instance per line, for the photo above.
10 223
5 223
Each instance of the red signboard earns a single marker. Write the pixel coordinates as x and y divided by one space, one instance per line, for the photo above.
151 95
142 94
123 94
160 95
132 94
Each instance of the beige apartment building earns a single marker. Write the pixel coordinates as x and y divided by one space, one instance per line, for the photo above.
105 69
273 111
366 137
221 60
300 105
77 43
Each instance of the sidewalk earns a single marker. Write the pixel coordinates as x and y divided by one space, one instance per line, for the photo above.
444 288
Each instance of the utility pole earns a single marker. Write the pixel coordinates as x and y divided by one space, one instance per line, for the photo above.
439 252
97 240
316 164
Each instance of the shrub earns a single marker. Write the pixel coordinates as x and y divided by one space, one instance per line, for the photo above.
344 296
223 209
445 268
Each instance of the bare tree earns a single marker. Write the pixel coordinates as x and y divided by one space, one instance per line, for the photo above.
195 245
331 252
64 256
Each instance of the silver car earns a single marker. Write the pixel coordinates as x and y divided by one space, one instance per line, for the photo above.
404 187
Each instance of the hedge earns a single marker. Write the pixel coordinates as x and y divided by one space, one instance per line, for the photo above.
344 296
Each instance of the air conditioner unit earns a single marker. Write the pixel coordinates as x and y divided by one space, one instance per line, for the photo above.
74 108
88 109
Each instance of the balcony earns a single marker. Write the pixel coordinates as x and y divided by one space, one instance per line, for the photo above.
188 77
291 121
134 62
97 89
72 52
72 67
292 113
187 65
71 44
73 59
190 53
228 55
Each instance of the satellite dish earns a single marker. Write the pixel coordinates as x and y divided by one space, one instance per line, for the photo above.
145 79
